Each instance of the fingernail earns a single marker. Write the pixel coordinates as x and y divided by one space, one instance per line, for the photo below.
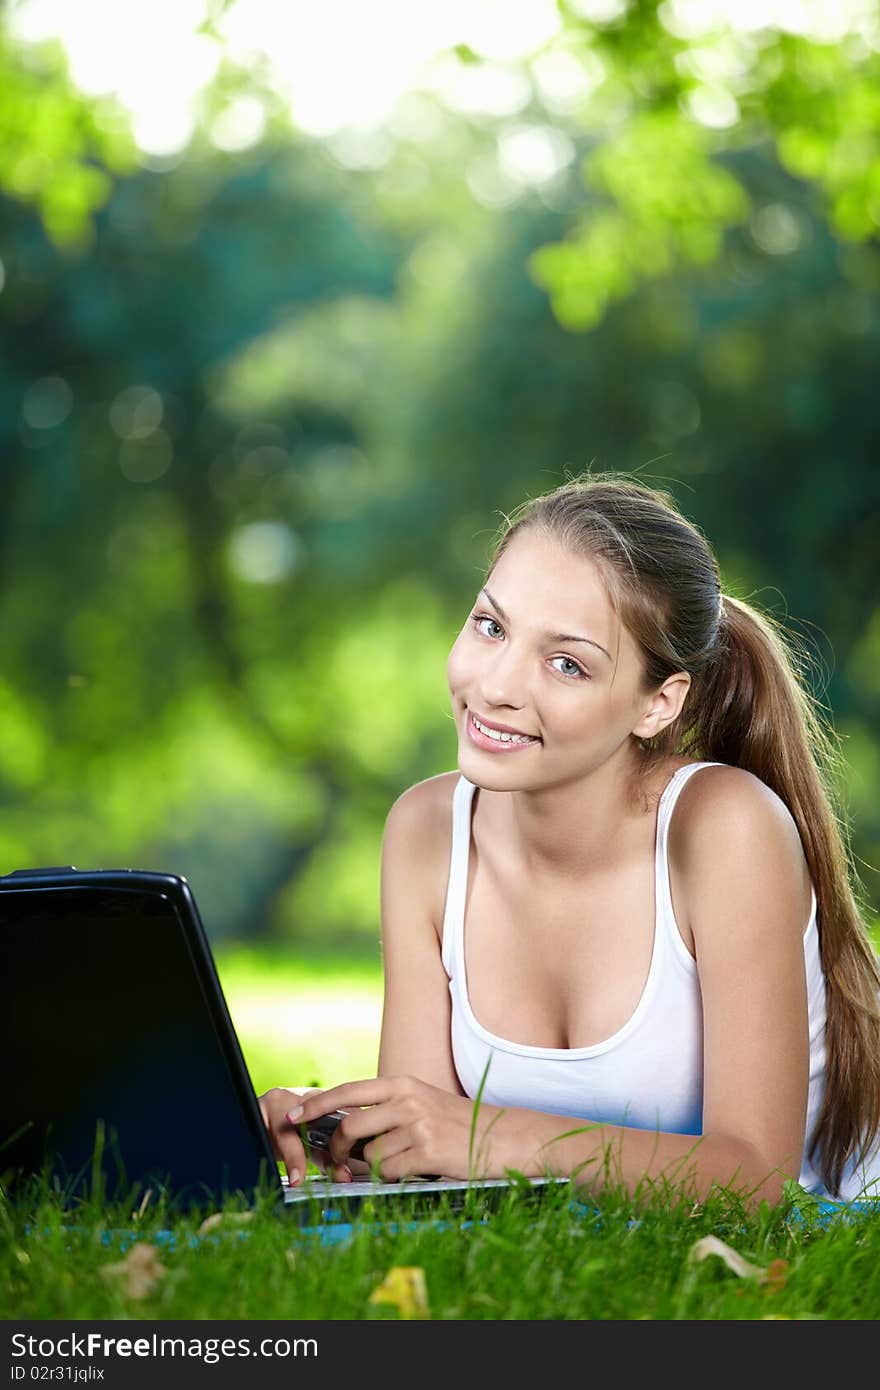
295 1177
294 1114
344 1173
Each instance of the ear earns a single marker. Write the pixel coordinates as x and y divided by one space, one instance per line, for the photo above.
666 703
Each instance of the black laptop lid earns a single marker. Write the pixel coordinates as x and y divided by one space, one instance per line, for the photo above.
111 1010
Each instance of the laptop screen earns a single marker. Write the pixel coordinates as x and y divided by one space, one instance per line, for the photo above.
110 1011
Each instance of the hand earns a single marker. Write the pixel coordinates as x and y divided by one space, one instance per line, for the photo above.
413 1128
285 1136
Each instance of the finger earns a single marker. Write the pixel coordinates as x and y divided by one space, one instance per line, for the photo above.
361 1125
294 1160
273 1104
394 1161
360 1171
287 1142
271 1129
384 1147
292 1150
350 1093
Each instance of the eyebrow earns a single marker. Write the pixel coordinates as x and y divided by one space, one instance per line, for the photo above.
557 636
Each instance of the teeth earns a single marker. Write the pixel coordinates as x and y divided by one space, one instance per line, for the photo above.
502 738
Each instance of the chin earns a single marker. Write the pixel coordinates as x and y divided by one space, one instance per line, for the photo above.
493 772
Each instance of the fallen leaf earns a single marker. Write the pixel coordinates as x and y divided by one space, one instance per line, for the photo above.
711 1245
405 1286
140 1271
224 1218
776 1275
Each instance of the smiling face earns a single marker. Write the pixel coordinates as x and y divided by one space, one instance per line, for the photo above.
516 665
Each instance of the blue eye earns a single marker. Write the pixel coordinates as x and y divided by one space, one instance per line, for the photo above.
578 673
573 675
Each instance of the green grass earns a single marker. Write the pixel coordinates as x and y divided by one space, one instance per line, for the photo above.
565 1257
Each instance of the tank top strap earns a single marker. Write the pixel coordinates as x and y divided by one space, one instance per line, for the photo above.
665 923
456 889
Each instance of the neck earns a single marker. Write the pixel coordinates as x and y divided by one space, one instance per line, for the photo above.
573 829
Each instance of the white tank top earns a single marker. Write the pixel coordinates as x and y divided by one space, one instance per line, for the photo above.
649 1074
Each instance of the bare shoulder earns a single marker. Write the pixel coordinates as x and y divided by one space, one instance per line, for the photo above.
727 820
418 835
424 804
731 799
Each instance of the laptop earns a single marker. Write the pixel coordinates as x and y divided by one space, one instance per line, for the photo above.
121 1055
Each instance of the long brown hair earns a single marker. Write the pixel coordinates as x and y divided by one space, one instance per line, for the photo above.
749 705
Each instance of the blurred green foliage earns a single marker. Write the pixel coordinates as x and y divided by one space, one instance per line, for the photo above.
670 98
261 413
58 150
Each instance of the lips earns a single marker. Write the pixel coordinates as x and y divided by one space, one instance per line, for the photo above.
492 745
502 728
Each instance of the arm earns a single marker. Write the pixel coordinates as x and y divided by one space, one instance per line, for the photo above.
742 870
747 886
416 1036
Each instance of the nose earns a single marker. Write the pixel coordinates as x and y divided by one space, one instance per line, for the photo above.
502 679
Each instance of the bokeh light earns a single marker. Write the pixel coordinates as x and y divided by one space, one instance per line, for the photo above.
47 403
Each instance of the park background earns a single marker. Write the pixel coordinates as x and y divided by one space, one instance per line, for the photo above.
295 302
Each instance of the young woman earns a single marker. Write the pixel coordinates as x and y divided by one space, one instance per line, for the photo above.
627 925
